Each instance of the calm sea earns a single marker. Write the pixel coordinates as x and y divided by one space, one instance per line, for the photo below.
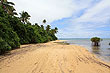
102 52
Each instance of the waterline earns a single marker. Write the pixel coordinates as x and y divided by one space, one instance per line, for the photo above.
102 51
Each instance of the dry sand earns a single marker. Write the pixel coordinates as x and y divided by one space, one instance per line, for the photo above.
52 57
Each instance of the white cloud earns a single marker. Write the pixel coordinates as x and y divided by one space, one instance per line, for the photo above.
46 9
87 16
98 13
50 9
92 22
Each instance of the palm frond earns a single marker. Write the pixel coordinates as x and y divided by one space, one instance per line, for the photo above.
10 3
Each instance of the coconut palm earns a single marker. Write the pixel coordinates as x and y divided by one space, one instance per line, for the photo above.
48 28
10 10
95 41
8 7
24 16
44 21
42 27
56 29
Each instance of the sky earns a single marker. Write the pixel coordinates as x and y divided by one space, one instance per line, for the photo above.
74 18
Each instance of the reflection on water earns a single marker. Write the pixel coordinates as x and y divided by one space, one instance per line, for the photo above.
102 51
96 49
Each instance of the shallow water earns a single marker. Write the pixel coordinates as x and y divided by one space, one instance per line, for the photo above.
103 51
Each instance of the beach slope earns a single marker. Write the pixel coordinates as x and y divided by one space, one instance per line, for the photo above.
52 57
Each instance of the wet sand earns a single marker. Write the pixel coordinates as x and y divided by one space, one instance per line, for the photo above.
52 57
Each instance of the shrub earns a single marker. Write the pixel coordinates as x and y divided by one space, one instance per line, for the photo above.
4 46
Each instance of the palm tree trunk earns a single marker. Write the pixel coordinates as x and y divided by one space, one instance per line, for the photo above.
96 44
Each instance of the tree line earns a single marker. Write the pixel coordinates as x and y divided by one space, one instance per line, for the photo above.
15 30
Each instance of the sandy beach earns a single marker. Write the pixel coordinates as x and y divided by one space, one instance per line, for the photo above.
52 57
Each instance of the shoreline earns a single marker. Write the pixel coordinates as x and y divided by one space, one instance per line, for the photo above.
52 57
97 55
64 41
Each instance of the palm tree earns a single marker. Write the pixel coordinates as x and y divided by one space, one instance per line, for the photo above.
8 7
48 28
24 16
56 29
95 41
44 21
11 11
52 31
42 27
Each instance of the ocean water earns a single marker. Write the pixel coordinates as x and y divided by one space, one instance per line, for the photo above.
102 52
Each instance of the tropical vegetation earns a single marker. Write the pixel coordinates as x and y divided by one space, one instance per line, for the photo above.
95 41
15 31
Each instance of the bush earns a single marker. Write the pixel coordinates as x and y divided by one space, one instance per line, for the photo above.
95 41
14 32
4 46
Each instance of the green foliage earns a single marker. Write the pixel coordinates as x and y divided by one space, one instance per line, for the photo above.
18 30
9 35
48 28
6 31
4 46
95 41
8 7
24 17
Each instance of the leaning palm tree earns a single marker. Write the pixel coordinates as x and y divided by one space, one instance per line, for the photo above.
24 16
95 41
56 29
